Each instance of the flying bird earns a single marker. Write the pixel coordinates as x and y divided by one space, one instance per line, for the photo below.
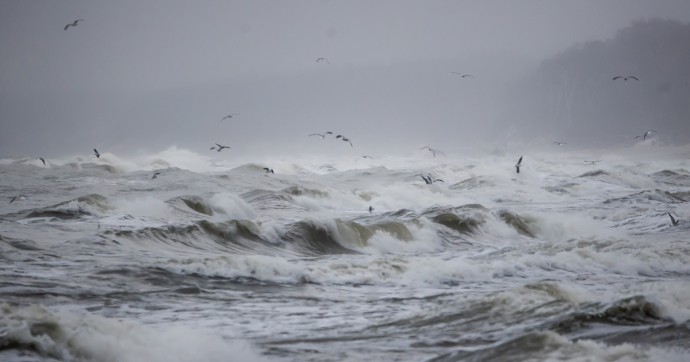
625 78
18 197
557 143
155 174
674 222
428 180
367 156
229 116
73 23
42 160
433 151
371 209
592 162
322 60
517 165
95 152
463 75
345 139
645 135
269 170
322 135
219 147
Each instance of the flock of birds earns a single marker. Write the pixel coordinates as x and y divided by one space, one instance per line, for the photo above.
428 179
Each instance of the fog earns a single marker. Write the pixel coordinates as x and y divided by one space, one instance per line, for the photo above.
139 76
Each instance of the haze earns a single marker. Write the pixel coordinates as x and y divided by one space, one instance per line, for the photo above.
144 75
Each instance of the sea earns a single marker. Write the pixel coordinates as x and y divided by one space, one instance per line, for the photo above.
216 259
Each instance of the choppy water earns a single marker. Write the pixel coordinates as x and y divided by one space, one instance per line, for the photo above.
216 260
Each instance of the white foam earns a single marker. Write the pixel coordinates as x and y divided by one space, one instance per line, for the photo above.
72 336
232 206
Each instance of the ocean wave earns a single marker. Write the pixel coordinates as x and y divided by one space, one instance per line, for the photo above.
657 195
88 205
550 346
36 331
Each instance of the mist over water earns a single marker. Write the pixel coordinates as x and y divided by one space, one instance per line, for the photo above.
405 235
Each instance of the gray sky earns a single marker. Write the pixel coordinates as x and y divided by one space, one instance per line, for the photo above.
143 75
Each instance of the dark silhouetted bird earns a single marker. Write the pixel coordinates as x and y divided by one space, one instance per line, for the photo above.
428 180
95 152
269 170
219 148
645 135
74 23
518 164
674 222
625 78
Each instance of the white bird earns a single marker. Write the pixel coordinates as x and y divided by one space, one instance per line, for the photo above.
433 151
463 75
322 135
646 134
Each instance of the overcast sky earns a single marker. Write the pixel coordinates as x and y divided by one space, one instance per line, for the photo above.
142 75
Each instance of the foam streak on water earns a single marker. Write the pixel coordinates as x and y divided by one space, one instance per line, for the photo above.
217 260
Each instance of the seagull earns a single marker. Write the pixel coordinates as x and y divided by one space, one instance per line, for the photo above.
625 78
269 170
229 116
371 209
155 174
433 151
517 165
557 143
322 60
219 148
345 139
593 162
463 75
674 222
18 197
95 152
646 134
42 160
367 156
73 23
428 180
322 135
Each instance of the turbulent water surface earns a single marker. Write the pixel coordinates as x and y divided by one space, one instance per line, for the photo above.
214 260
